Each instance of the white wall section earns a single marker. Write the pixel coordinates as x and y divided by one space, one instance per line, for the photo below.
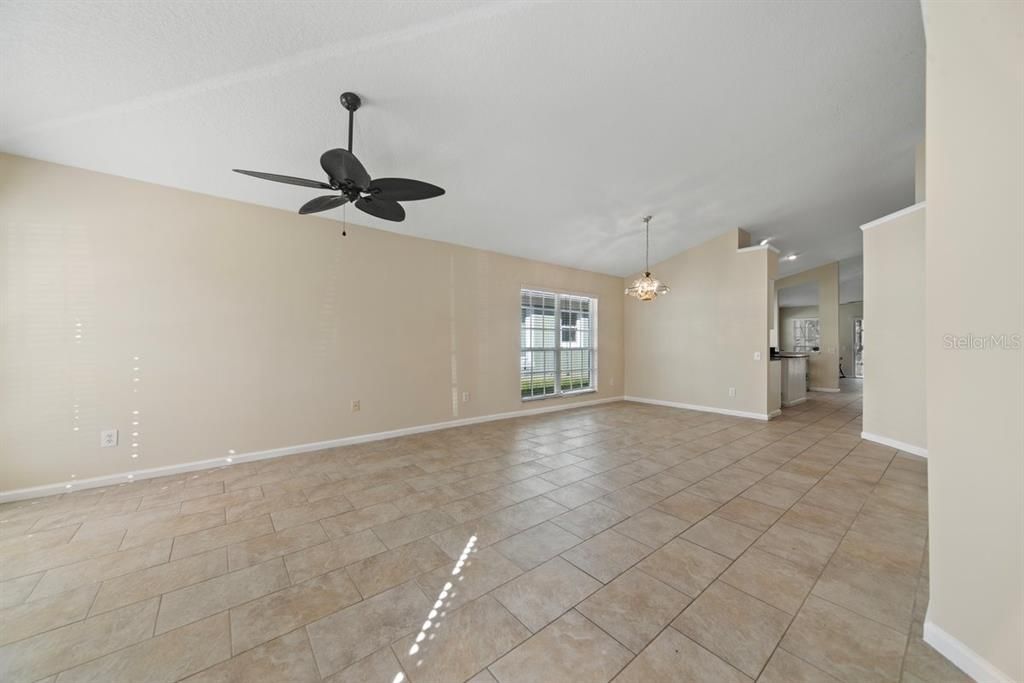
975 290
698 342
895 391
218 326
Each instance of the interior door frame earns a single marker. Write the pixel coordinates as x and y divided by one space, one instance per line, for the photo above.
859 374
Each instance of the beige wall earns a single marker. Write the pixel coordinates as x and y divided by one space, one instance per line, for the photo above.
786 316
975 248
894 308
254 328
691 346
824 366
847 314
920 173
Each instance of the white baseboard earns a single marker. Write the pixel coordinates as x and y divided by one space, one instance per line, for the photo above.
137 475
963 657
790 404
829 390
886 441
775 413
764 417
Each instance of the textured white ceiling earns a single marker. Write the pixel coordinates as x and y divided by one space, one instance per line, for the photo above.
799 296
851 280
851 286
553 126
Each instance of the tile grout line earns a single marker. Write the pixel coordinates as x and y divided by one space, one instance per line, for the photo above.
732 561
106 654
913 609
823 568
734 463
635 566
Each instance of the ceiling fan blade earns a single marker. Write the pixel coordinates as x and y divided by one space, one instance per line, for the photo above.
342 165
403 189
285 179
387 209
324 203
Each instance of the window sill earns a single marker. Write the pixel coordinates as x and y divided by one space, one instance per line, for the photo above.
564 394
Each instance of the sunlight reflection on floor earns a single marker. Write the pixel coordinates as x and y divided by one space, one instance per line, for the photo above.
434 617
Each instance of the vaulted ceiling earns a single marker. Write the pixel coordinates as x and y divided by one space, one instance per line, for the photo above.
553 126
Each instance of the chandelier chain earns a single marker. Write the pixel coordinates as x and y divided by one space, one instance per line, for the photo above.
647 244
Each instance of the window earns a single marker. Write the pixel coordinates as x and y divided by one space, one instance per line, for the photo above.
557 343
806 335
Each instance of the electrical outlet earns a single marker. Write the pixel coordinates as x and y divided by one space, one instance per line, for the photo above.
108 438
757 355
732 391
355 406
465 397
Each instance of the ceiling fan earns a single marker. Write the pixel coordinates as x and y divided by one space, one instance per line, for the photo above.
347 177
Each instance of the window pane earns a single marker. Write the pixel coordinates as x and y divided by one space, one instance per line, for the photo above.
575 367
806 334
537 375
555 327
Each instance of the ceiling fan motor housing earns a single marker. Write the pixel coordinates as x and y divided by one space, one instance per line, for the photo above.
350 101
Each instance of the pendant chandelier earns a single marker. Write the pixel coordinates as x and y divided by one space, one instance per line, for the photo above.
647 288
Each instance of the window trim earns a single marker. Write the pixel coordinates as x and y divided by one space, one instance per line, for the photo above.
594 363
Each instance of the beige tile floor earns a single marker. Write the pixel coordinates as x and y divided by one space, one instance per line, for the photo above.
624 542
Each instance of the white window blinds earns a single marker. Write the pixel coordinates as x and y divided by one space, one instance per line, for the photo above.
806 335
557 343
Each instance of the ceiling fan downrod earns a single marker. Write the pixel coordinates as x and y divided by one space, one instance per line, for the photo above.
351 102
